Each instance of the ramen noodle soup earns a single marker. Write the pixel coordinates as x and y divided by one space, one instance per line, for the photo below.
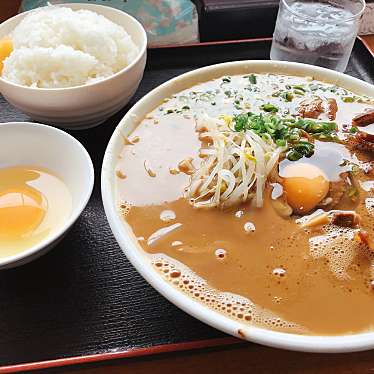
254 195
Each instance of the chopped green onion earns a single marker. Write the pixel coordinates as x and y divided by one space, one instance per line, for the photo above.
287 96
269 108
252 78
352 193
348 99
332 89
355 169
299 92
294 134
281 142
294 155
304 148
299 87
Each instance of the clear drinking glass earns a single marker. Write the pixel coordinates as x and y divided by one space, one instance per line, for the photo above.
317 32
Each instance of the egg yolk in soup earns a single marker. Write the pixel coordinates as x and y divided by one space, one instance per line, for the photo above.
33 203
305 185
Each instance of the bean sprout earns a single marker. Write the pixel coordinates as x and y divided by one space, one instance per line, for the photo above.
235 167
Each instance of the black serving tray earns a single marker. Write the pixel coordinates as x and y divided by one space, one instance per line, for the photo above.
83 301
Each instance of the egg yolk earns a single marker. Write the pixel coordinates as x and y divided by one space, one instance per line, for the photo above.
21 212
6 48
305 186
33 204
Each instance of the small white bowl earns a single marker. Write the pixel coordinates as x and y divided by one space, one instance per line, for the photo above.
30 144
81 106
142 262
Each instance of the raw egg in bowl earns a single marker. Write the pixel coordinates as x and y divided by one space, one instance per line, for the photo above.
46 180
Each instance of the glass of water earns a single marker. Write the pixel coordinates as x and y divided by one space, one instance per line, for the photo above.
317 32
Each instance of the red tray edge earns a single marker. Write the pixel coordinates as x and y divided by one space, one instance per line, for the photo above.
137 352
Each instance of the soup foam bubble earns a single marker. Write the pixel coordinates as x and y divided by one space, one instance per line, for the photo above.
233 306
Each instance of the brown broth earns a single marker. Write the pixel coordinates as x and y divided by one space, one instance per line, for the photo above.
272 266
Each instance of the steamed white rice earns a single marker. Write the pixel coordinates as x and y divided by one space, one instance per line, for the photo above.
58 47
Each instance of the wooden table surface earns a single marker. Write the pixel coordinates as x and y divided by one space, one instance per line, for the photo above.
241 358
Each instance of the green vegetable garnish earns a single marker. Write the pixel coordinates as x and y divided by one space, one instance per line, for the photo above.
299 87
269 108
287 96
226 79
332 89
348 99
352 193
304 148
355 169
314 127
353 129
252 78
299 92
294 155
292 134
281 142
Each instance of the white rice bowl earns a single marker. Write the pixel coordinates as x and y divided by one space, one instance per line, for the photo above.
57 47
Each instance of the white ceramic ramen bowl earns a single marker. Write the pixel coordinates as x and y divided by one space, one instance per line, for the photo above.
82 106
133 251
30 144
